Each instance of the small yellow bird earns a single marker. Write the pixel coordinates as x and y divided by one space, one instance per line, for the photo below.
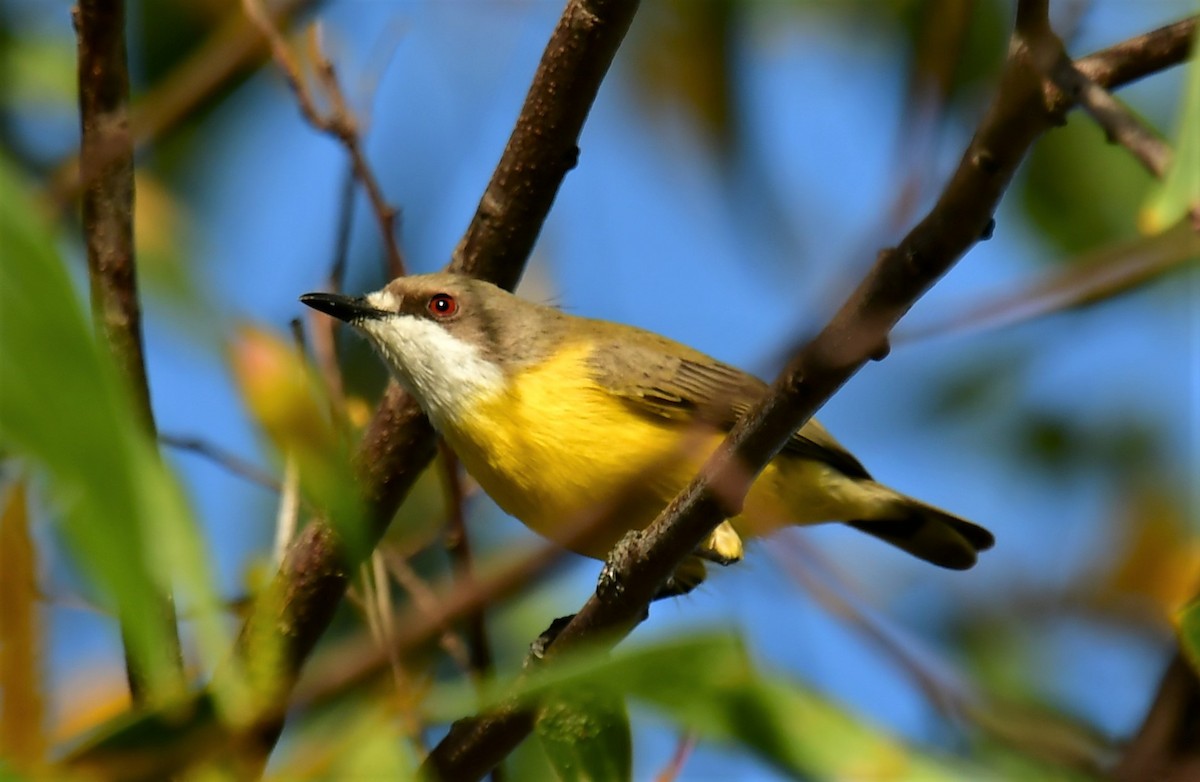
554 415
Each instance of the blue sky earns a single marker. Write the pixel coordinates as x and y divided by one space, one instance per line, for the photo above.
645 231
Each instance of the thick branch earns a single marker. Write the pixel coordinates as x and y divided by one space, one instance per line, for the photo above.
106 163
399 443
962 216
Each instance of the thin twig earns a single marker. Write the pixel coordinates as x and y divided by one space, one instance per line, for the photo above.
223 458
426 601
338 122
1118 122
106 166
1091 278
1032 733
376 607
458 548
234 47
683 751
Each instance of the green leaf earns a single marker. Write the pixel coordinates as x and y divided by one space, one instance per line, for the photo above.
709 686
38 70
1179 191
65 409
1080 191
1189 633
586 735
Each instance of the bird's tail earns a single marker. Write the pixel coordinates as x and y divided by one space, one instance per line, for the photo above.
930 534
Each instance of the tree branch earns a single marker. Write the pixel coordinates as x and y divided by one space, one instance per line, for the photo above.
106 166
399 442
1020 112
1118 122
235 46
338 122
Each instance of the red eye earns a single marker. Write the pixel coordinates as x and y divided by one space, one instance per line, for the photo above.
443 305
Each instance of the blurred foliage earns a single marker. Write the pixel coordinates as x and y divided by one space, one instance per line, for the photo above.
586 735
709 685
86 467
71 417
1081 191
1189 633
289 404
683 57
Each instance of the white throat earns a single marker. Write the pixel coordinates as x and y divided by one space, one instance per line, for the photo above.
447 376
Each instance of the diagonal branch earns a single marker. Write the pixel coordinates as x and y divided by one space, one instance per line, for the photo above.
1020 112
106 168
1117 121
399 441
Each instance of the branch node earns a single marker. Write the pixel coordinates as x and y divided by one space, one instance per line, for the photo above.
537 649
882 350
610 586
988 230
986 162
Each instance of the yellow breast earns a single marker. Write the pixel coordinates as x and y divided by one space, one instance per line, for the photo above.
553 445
554 449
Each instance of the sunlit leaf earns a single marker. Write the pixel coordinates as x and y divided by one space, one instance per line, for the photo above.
64 408
1160 555
354 741
285 398
1179 191
1080 191
22 715
586 736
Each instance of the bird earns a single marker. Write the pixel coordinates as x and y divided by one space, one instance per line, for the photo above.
555 415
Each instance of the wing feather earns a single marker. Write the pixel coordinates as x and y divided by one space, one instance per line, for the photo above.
658 377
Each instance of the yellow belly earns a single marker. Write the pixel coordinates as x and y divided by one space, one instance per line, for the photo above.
557 452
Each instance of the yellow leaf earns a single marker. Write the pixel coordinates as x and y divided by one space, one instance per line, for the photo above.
1161 554
22 729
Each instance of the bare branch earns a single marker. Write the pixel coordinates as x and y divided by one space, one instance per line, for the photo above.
426 600
222 458
1130 60
399 442
338 122
1117 121
106 166
858 332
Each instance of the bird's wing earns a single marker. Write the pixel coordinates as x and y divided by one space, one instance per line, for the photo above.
658 377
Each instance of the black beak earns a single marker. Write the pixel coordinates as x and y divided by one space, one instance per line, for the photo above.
342 307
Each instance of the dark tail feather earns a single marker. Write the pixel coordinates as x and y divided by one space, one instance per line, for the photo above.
931 534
